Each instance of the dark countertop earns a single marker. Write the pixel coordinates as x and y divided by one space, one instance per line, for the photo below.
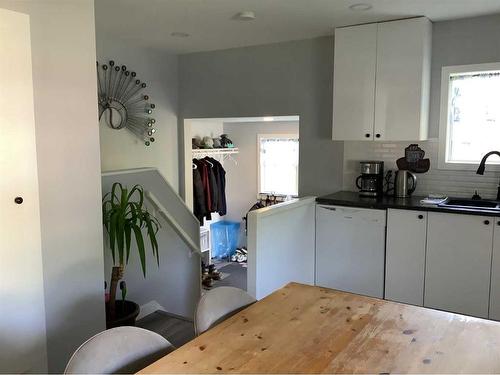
352 199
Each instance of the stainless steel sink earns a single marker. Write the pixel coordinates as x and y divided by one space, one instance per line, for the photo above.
471 204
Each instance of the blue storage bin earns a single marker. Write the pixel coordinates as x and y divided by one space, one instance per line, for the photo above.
225 235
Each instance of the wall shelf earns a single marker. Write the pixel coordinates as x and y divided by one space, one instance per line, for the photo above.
202 152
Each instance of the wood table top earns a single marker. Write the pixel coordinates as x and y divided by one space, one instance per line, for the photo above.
306 329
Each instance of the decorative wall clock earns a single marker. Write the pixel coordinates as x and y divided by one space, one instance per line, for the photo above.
123 103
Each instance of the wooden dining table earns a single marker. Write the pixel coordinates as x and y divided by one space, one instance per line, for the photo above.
308 329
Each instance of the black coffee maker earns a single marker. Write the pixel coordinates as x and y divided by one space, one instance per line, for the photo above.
371 181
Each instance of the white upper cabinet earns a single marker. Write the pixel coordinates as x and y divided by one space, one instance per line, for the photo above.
403 79
354 82
382 81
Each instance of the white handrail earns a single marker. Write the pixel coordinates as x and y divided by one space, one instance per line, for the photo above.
195 248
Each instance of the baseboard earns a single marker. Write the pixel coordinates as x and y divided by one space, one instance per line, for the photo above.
154 306
180 317
149 308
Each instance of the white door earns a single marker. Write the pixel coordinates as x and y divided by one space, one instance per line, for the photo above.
354 82
403 80
22 323
458 263
495 274
405 256
350 247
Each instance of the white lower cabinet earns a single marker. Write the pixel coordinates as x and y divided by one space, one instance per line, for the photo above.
405 256
458 263
350 247
495 274
444 261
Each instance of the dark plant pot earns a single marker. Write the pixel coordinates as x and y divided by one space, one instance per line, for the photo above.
126 313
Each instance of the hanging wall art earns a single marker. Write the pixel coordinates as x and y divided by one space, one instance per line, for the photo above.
123 103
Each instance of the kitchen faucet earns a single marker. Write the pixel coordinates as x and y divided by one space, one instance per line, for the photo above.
482 165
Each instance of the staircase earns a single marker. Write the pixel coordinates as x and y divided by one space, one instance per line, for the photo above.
174 286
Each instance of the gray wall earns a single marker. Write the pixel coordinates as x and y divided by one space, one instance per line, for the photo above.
174 286
460 42
292 78
296 78
67 142
120 149
241 178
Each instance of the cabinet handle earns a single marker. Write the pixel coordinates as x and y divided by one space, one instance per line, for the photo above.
367 135
486 222
420 217
498 223
377 135
19 200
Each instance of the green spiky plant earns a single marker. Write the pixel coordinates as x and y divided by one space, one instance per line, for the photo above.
124 214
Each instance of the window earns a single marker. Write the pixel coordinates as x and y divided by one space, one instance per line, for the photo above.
470 115
278 164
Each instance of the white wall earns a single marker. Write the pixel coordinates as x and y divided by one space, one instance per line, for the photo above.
67 142
241 178
120 149
207 128
281 246
450 182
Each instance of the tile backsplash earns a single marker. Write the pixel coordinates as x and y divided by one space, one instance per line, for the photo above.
449 182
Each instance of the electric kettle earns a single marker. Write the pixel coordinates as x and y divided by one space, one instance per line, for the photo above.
402 185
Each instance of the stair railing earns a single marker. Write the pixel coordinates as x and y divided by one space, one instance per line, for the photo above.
160 209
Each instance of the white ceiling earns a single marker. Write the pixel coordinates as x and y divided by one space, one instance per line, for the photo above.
210 23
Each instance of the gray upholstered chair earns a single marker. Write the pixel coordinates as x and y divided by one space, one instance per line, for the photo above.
122 350
219 304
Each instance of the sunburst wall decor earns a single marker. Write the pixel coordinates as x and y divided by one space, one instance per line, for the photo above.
123 103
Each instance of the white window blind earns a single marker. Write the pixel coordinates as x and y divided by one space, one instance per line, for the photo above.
279 164
473 116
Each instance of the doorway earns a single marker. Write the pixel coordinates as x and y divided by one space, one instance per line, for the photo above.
261 169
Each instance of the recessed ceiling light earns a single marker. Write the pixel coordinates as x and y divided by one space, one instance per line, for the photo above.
180 34
246 15
360 7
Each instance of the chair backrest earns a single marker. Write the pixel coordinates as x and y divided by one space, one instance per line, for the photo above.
122 350
219 304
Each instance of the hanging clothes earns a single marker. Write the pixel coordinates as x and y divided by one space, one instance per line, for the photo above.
212 180
199 205
209 188
205 181
220 177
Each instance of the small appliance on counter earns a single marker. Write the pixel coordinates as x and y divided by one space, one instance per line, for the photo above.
371 181
405 184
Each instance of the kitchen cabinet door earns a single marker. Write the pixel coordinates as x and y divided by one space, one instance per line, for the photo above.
458 263
405 256
350 247
403 80
495 274
354 82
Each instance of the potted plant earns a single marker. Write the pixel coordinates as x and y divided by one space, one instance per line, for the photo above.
125 217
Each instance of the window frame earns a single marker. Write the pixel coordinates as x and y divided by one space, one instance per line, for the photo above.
446 72
274 135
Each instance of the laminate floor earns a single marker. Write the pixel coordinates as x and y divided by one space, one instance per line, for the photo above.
177 330
233 274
